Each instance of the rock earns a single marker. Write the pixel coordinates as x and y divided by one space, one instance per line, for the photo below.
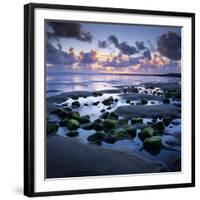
136 120
120 134
146 133
128 101
122 122
88 126
109 124
76 104
159 126
152 102
176 122
64 114
84 119
109 108
97 137
86 104
103 110
144 101
96 94
153 142
68 109
52 128
74 97
166 100
104 115
56 111
95 103
109 139
116 100
167 121
131 131
98 126
75 115
108 101
113 115
72 133
73 124
63 122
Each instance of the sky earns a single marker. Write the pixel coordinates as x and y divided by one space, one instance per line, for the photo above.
112 48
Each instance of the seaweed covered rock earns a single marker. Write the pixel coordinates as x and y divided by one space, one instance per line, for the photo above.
153 142
73 124
136 120
113 115
104 115
73 133
166 100
63 122
122 122
75 115
76 104
68 109
84 119
167 121
88 126
56 111
109 139
131 131
64 114
146 133
120 134
52 128
159 126
97 137
109 124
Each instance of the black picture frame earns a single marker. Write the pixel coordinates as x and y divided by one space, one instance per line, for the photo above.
29 81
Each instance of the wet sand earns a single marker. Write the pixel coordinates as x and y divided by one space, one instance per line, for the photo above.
68 157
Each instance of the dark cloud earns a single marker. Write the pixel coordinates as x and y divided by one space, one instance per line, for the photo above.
87 57
123 46
147 54
169 45
118 61
140 45
102 44
68 30
127 49
56 56
113 40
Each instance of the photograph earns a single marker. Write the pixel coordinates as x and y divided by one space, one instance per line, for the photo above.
112 98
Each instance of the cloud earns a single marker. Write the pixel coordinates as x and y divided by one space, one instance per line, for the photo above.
147 54
123 46
169 45
56 56
87 57
118 61
140 45
127 49
102 44
68 30
113 40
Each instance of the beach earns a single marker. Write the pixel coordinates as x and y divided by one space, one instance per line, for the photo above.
112 125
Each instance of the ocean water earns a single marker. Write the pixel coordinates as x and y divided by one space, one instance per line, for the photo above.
58 82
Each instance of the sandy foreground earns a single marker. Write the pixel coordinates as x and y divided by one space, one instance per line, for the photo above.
68 157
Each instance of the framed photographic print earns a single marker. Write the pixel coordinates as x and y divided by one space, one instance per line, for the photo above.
109 99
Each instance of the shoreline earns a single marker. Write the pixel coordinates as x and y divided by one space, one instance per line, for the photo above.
78 159
145 102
